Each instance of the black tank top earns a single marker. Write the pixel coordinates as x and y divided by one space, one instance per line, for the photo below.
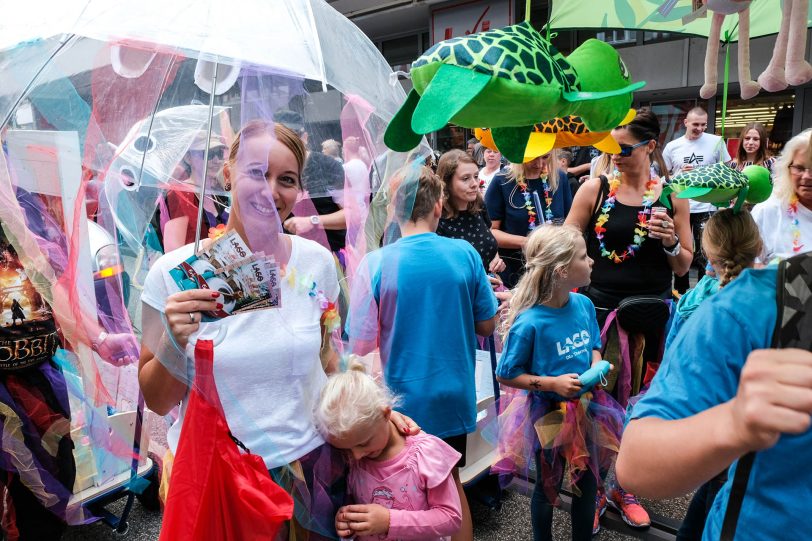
647 273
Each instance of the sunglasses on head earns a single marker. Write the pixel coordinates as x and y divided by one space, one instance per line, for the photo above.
214 153
626 150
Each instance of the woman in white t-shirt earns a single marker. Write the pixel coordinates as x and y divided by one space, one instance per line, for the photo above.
269 365
785 219
493 164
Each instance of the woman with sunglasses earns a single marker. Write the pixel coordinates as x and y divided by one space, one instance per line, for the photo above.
753 148
636 244
525 197
785 219
179 224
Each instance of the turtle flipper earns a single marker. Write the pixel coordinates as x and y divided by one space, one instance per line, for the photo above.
451 89
512 142
693 192
664 196
538 144
608 145
399 135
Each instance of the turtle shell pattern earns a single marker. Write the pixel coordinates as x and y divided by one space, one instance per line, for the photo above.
717 176
570 123
518 53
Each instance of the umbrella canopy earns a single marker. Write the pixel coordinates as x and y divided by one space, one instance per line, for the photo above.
765 17
122 115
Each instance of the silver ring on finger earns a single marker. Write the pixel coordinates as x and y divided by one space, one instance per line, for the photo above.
191 317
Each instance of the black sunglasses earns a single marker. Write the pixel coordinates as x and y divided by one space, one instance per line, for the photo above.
626 150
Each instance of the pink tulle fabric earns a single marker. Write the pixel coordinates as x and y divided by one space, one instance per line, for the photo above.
577 437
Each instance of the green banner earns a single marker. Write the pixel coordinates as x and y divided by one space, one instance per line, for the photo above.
765 16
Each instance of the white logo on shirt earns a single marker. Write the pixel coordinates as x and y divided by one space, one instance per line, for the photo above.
578 340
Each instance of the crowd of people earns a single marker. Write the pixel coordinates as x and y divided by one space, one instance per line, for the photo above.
559 269
570 258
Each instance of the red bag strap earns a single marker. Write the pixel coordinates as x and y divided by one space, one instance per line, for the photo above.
204 374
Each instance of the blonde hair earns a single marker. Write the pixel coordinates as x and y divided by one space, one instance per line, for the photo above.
349 400
331 145
548 251
446 169
516 171
735 240
783 188
603 166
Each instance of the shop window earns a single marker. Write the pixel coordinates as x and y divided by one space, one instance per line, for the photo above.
618 37
401 50
775 111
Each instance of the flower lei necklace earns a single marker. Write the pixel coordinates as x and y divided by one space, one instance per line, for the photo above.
641 227
795 230
528 202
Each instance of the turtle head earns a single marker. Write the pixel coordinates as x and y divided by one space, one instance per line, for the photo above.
605 87
760 183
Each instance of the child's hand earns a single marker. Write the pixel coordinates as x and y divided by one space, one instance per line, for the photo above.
342 525
367 519
566 385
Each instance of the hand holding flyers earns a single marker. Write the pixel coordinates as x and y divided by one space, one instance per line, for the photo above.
247 281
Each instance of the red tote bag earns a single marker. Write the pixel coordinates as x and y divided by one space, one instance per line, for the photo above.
217 492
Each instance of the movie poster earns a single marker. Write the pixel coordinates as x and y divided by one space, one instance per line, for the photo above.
27 329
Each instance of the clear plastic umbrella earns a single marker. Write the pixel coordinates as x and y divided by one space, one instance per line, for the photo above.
122 115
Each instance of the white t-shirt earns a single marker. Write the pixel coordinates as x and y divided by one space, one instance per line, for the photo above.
266 363
486 178
707 150
776 228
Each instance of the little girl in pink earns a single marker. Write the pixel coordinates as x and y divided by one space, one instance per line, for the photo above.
400 487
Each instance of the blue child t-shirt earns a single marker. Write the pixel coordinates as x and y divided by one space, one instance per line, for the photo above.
700 370
426 293
546 341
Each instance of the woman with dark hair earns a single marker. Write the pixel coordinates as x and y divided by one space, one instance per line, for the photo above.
464 216
636 248
528 195
753 148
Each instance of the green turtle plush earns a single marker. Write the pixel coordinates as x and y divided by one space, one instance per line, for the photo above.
509 79
719 184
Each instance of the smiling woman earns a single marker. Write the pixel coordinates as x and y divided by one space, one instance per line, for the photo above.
264 166
785 219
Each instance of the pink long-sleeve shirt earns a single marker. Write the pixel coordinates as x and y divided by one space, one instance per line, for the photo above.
416 486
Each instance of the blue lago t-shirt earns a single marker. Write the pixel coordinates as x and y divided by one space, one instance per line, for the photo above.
546 341
429 291
700 370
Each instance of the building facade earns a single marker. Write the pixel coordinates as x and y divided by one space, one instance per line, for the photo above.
672 65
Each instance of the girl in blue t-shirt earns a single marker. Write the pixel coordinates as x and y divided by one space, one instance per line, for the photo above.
552 337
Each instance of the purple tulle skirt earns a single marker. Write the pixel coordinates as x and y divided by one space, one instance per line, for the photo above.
578 437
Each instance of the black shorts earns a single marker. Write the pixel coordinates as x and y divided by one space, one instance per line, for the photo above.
458 443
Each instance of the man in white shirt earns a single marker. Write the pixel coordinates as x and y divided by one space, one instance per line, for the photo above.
695 149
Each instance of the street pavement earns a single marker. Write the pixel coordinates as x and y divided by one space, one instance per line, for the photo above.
509 523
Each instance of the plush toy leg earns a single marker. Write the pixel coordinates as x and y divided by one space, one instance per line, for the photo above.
773 78
748 87
798 70
712 57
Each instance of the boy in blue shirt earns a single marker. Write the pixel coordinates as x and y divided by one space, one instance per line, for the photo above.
424 299
719 395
